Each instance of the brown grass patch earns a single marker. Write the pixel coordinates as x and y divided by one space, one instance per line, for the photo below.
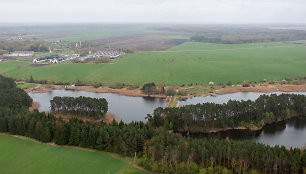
138 42
35 105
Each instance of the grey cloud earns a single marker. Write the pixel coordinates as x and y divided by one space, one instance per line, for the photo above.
195 11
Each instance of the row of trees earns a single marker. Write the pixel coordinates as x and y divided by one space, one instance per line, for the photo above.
87 106
36 46
207 116
125 139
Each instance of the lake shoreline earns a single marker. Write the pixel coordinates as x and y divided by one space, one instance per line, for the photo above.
41 88
242 128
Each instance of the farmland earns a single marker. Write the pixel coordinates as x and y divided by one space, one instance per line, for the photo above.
188 63
25 156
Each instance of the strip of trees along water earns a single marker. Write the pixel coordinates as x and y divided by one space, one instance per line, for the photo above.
211 116
85 106
159 149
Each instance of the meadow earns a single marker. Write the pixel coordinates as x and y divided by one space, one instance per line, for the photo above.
101 33
188 63
25 156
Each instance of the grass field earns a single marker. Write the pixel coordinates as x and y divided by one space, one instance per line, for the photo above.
26 85
94 34
27 157
190 62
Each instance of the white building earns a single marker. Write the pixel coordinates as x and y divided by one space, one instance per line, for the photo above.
22 53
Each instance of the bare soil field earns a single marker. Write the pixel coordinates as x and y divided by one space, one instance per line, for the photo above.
136 43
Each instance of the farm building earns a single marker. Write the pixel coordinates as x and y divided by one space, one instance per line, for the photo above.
21 53
110 54
56 58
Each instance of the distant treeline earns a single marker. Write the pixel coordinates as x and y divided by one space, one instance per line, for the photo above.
92 107
207 116
236 39
36 46
240 36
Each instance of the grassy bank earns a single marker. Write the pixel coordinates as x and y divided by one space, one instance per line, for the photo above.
26 156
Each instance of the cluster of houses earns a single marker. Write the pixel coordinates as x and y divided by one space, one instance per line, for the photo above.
20 54
56 58
108 54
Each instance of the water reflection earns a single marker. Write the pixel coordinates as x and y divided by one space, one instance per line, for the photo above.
288 134
124 108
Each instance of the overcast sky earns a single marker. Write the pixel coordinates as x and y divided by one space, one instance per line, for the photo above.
153 11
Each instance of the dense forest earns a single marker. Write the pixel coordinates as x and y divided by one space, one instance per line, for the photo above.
86 106
159 149
11 96
210 116
171 153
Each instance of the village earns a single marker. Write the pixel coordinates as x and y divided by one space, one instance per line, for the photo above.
64 57
59 58
56 58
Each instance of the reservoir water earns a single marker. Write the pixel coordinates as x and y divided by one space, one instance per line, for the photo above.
124 108
289 134
127 109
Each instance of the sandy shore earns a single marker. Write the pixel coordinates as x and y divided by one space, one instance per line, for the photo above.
40 88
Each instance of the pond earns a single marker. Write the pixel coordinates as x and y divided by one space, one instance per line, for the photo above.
289 134
124 108
127 109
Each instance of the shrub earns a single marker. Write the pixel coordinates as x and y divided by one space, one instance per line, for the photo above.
170 91
245 83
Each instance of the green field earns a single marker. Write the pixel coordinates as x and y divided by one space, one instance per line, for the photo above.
28 157
187 63
94 34
26 85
